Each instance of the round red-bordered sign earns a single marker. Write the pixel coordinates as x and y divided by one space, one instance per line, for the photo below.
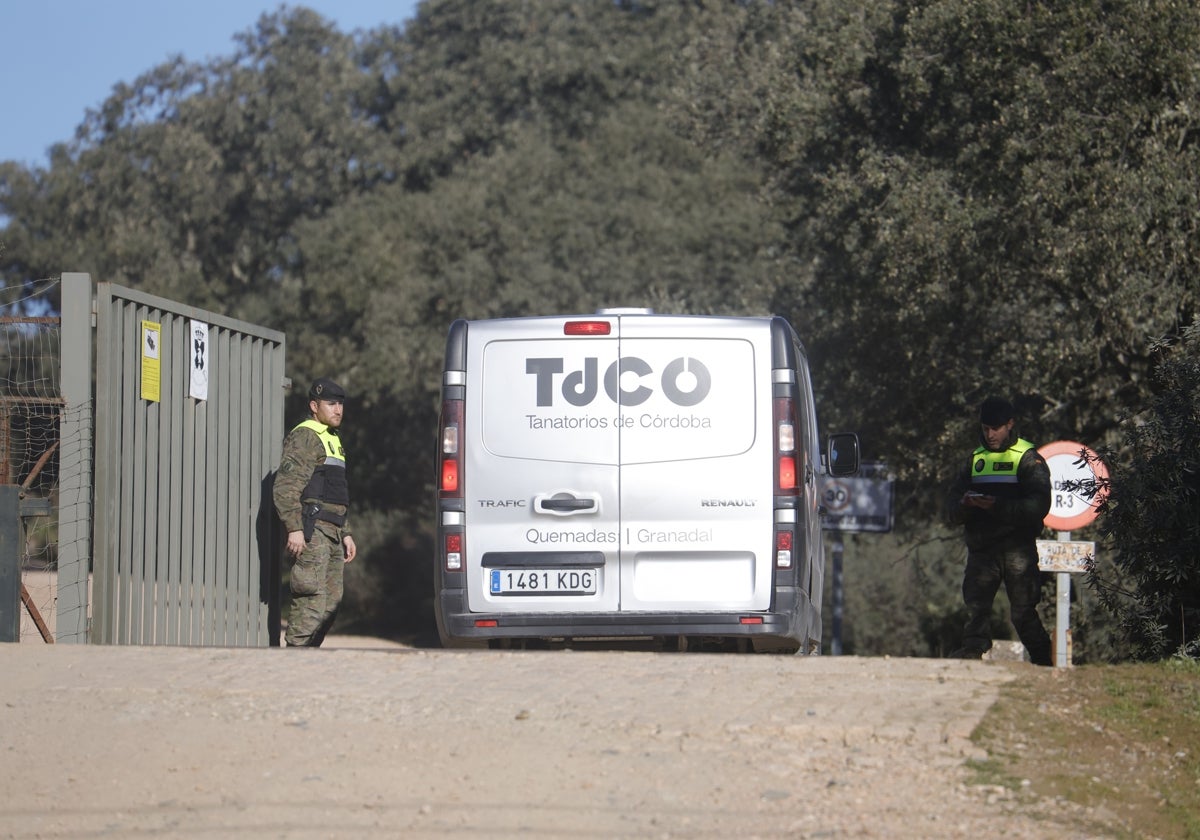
1071 509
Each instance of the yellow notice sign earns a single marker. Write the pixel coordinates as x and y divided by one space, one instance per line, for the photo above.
151 361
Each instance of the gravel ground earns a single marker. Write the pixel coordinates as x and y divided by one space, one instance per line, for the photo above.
360 740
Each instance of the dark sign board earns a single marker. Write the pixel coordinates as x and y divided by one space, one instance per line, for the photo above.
861 502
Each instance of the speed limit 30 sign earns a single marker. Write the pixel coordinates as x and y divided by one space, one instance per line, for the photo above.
1070 508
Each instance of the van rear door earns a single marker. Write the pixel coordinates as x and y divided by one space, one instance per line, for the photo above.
541 481
696 495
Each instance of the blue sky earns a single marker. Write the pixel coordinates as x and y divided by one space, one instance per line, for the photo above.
58 58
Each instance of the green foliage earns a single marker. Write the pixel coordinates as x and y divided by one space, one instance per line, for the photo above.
1150 518
901 598
988 195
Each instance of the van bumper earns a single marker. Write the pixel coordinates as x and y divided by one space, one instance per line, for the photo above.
782 622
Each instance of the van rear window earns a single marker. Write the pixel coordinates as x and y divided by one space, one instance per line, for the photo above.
610 401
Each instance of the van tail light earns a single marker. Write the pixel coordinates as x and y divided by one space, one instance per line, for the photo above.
453 553
786 480
787 472
450 455
783 549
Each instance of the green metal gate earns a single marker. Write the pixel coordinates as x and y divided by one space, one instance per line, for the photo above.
165 532
186 539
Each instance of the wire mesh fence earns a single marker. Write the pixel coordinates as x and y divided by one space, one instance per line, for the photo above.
31 413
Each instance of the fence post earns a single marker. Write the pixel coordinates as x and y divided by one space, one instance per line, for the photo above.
10 563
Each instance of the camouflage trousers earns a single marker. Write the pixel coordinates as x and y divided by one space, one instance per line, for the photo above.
1017 568
316 587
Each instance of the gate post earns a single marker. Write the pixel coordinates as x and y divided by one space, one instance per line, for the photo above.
10 563
75 460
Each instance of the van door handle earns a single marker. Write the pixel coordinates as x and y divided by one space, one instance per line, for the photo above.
567 504
564 504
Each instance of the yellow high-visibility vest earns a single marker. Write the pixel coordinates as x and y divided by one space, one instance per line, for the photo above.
989 469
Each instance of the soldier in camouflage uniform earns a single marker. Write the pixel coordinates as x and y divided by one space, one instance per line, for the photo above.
1001 498
312 497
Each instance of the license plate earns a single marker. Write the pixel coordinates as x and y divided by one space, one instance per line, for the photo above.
542 581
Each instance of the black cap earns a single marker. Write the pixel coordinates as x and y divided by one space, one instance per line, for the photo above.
995 411
326 389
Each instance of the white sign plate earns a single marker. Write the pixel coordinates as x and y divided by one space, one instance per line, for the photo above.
1065 556
1071 509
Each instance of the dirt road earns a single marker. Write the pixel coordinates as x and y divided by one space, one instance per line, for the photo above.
398 742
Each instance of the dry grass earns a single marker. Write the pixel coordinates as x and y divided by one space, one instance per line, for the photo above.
1120 744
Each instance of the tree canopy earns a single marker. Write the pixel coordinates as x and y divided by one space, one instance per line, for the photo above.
1151 511
948 198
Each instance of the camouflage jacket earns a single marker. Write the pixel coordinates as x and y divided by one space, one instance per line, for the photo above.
302 453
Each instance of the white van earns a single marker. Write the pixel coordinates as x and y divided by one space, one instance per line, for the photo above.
631 475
